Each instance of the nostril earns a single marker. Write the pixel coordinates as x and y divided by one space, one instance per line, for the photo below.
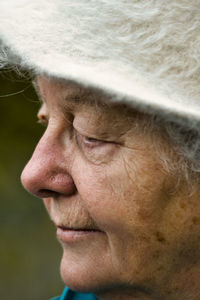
45 193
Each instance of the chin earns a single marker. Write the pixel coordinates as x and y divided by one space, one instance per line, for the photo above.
82 275
77 277
95 276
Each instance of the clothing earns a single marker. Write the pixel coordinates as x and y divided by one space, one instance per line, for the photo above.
143 52
72 295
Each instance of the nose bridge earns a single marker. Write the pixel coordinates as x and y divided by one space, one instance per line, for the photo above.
47 151
49 166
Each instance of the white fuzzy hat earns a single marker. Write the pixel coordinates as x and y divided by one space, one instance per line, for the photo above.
145 52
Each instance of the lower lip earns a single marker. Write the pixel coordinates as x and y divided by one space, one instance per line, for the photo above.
70 235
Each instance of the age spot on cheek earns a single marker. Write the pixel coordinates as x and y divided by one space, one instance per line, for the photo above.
160 237
196 221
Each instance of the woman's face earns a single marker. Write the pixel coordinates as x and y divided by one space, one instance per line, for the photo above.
120 220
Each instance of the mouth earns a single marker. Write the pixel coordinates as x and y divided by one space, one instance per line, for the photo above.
65 228
73 234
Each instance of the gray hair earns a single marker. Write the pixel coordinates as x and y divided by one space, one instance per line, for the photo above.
185 143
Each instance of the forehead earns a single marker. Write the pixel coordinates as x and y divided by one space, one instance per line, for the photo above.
72 93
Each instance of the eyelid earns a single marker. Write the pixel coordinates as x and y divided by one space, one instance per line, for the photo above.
92 136
88 142
84 133
91 140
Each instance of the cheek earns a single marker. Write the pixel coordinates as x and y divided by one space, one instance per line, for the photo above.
97 195
120 194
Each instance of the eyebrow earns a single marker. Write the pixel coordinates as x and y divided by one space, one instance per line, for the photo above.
75 97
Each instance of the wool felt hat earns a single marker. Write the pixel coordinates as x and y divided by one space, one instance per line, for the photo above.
144 52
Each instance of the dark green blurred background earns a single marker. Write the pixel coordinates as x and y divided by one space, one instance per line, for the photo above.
29 252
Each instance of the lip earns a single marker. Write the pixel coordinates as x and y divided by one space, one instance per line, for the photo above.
69 235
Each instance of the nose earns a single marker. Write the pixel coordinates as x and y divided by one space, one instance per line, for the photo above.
47 174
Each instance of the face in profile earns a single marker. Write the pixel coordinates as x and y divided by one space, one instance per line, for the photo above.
121 223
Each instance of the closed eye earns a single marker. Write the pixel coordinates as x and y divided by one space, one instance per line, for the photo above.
89 142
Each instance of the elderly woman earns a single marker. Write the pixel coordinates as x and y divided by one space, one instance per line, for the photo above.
118 164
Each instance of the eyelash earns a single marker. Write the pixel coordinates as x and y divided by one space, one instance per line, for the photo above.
88 142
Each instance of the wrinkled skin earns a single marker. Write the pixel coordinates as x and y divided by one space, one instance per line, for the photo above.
96 170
